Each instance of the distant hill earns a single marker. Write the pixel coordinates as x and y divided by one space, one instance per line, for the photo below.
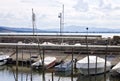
4 29
72 28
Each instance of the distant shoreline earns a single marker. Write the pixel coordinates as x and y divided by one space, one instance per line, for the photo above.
104 35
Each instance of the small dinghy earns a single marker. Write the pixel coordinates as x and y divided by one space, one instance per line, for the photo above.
3 58
48 63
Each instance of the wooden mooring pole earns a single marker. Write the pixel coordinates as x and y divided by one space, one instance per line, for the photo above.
52 76
87 51
16 63
105 61
30 67
72 65
22 67
96 69
43 68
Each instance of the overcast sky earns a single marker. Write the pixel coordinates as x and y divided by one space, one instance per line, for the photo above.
91 13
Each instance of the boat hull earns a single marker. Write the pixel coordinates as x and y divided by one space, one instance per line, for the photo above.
3 58
115 71
50 65
64 67
93 71
96 65
2 62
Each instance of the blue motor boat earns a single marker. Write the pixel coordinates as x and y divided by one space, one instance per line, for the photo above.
64 66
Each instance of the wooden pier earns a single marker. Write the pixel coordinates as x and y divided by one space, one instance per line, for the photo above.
59 51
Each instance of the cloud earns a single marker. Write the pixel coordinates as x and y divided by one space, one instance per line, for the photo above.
81 6
18 13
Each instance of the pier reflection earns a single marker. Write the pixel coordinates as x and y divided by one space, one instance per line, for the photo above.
7 73
24 74
100 77
117 78
66 73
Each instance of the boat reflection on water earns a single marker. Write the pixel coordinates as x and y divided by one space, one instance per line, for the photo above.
21 69
100 77
24 74
8 73
64 76
2 68
115 78
66 73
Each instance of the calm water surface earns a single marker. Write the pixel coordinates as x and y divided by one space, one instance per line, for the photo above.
8 73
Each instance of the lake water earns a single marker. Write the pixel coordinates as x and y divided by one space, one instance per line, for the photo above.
7 73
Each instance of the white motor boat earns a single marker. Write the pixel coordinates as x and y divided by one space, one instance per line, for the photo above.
77 44
3 58
47 43
48 62
116 69
95 66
